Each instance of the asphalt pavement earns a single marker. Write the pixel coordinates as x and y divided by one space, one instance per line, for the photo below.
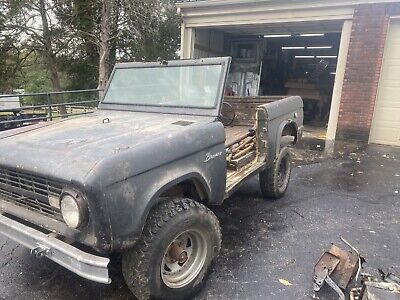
355 195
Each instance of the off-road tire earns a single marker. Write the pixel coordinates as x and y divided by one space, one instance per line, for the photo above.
273 183
141 266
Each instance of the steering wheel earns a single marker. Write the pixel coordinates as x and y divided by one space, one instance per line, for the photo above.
227 115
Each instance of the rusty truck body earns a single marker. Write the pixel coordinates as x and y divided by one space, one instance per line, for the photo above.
142 173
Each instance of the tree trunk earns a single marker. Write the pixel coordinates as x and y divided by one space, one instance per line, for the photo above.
114 31
105 41
50 59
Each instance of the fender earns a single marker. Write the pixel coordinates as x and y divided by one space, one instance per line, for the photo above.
139 198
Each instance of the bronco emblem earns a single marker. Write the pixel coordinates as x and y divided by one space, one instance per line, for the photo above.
210 156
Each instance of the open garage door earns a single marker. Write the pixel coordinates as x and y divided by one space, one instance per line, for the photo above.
386 121
279 59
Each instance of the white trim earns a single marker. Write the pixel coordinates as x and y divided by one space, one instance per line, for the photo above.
183 44
339 79
257 8
212 3
273 36
262 17
395 17
187 42
311 34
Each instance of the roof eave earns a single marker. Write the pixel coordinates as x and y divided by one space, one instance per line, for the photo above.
213 3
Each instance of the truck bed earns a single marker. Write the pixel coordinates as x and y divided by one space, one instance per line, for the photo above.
252 144
245 114
243 123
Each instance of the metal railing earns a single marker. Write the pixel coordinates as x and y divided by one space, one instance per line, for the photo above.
41 107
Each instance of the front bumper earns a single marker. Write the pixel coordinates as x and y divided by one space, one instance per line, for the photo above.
86 265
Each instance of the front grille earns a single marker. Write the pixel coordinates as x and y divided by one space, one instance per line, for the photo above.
30 191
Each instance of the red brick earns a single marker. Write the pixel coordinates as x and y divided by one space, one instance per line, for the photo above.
362 72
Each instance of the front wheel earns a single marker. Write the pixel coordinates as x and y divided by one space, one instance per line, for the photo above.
172 259
274 181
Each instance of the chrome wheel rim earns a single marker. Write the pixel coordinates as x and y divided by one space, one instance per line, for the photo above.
183 259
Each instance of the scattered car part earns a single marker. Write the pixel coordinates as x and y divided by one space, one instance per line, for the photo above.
355 293
336 267
360 259
388 276
324 267
347 268
380 291
387 287
335 287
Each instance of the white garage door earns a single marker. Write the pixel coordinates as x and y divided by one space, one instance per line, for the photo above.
386 121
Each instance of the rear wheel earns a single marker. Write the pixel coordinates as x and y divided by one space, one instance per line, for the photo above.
172 259
274 181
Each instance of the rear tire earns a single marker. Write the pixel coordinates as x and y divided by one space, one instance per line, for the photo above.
172 259
274 181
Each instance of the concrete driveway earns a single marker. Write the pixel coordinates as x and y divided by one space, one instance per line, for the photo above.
355 196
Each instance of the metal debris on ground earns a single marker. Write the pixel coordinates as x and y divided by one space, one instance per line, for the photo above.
380 291
388 276
387 287
338 268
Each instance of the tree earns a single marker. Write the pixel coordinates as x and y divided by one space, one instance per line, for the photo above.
151 30
10 56
109 13
47 48
81 18
84 38
128 30
35 23
33 77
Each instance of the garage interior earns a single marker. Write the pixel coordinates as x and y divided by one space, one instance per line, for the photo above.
279 60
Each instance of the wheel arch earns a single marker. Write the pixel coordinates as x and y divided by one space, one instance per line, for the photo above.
191 186
286 128
194 181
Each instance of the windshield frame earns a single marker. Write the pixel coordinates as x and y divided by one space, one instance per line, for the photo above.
170 109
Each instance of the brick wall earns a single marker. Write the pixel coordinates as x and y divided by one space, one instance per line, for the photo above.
364 61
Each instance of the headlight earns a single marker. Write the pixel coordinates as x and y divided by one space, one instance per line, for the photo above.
74 210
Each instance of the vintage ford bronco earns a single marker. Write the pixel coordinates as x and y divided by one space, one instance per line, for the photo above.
140 175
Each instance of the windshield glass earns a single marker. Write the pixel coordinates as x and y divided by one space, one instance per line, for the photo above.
176 86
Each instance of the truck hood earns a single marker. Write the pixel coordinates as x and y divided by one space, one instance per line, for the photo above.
69 149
